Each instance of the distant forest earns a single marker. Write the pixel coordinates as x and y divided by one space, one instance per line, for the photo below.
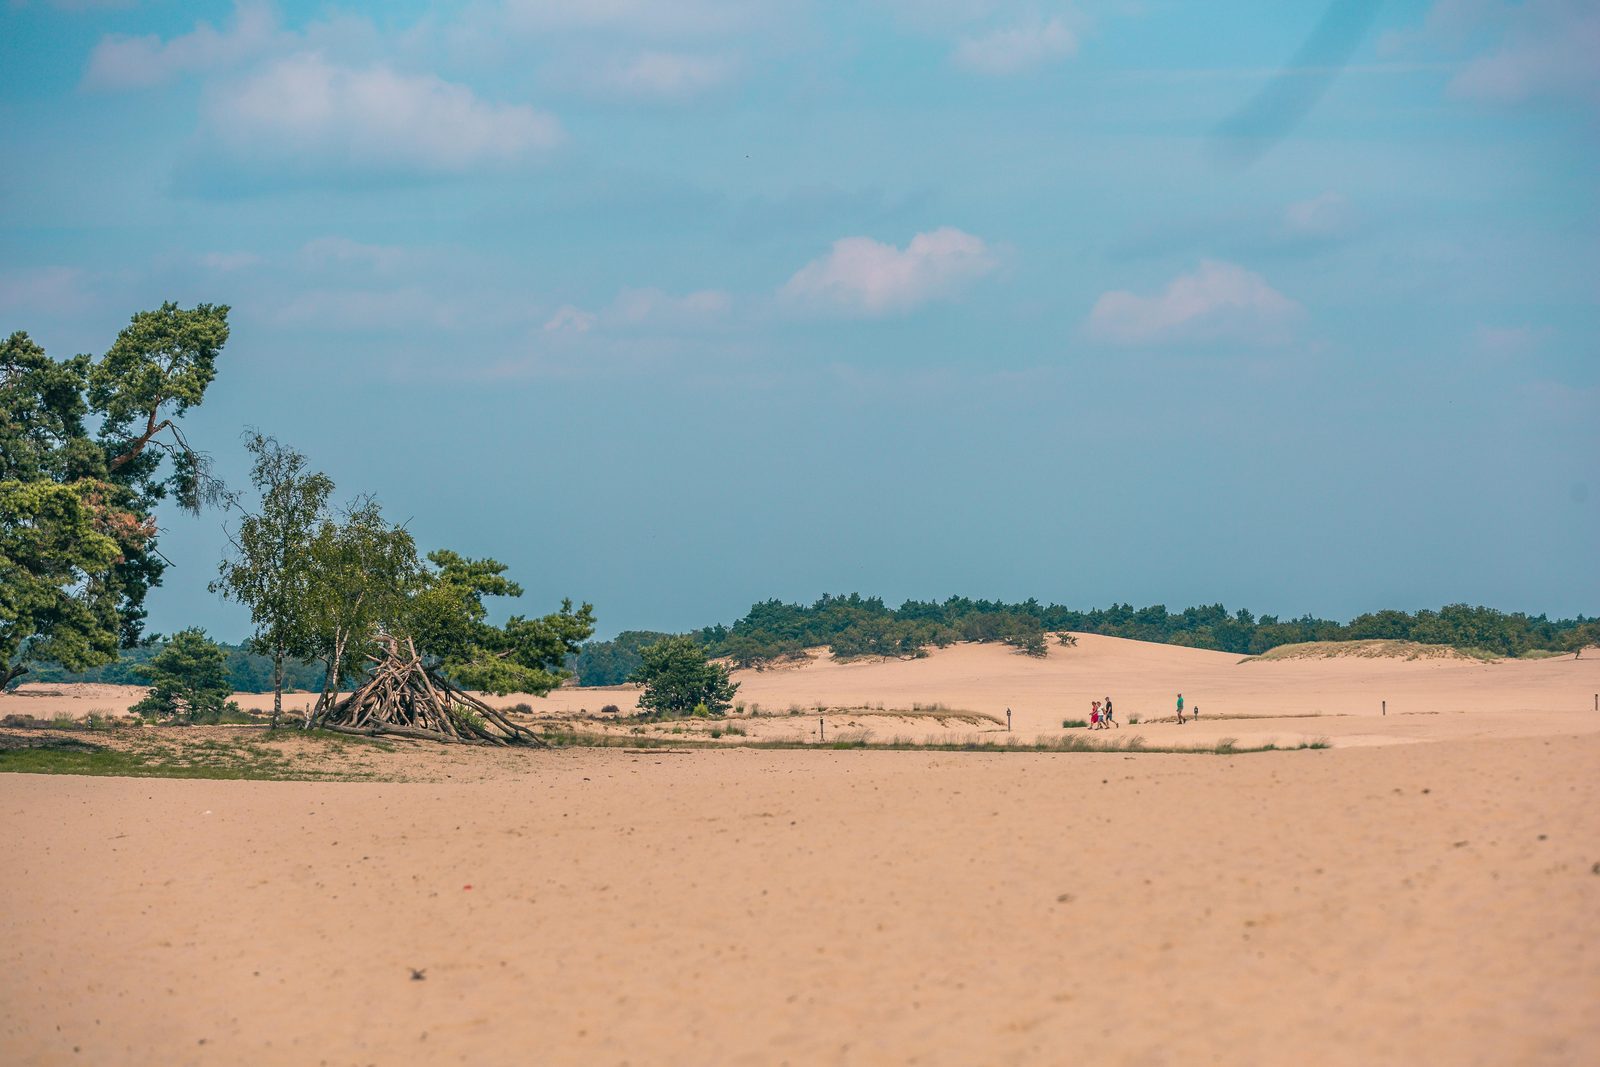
247 672
853 626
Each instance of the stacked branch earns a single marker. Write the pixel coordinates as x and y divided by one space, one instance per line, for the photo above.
407 698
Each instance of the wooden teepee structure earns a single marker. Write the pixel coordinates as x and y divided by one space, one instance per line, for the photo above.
404 696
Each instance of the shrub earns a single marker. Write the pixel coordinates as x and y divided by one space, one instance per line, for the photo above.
611 709
1074 724
677 676
187 679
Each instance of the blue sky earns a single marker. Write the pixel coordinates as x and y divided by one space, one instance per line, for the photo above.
674 306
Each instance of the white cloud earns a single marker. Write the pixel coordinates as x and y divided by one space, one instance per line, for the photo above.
1321 216
1217 300
1018 49
641 307
674 18
668 76
120 62
654 305
305 113
864 276
1537 49
570 319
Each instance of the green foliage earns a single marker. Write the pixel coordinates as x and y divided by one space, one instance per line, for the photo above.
77 531
268 572
678 679
187 678
448 621
55 556
861 626
359 577
611 662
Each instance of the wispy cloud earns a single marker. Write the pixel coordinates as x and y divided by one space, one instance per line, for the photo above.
343 252
1513 52
1218 300
1550 48
308 117
570 319
665 18
1016 49
864 276
1326 215
670 77
122 62
644 307
44 290
226 262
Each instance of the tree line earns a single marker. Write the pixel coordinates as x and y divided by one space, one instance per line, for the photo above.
244 671
854 625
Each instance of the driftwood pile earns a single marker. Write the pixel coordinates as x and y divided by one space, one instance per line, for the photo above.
407 698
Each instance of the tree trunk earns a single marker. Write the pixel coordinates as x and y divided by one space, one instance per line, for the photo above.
330 679
277 685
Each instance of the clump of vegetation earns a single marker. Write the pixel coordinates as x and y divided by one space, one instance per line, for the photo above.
1077 724
84 450
187 681
679 678
612 662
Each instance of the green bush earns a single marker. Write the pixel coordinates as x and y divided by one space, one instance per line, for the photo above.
188 680
679 678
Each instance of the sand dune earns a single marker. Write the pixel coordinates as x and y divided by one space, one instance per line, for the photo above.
1379 903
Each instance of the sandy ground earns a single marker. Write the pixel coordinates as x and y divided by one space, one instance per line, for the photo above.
1436 901
1285 702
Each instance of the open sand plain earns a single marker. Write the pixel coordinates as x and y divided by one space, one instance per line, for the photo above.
1425 891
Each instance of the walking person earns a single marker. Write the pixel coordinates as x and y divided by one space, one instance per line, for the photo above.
1180 709
1094 716
1110 716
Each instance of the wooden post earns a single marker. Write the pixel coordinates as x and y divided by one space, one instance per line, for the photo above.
1008 720
821 730
1386 707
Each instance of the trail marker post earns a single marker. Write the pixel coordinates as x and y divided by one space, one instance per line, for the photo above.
1008 720
822 734
1386 707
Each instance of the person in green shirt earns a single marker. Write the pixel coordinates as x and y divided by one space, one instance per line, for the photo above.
1180 709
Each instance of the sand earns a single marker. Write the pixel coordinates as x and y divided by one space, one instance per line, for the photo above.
1425 891
1285 702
